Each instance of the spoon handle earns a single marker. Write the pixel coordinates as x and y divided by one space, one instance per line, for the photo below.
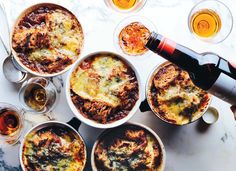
4 29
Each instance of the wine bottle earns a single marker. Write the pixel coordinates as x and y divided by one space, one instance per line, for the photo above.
207 70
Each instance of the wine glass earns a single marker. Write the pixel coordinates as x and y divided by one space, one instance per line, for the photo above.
210 21
125 6
11 123
38 95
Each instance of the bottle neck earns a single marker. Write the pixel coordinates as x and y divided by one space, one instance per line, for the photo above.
159 44
183 57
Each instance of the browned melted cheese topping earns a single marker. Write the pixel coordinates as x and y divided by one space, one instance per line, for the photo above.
174 97
104 88
133 37
48 39
128 148
53 148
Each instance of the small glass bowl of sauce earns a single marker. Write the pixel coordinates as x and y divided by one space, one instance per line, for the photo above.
125 6
131 35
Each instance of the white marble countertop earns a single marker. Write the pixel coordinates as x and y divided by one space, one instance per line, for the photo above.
187 147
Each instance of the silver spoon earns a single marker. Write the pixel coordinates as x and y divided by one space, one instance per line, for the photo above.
11 70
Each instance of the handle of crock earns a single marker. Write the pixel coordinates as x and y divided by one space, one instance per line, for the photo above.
75 123
144 106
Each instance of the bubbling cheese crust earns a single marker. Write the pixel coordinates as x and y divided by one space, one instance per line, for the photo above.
53 148
128 147
173 96
47 39
104 88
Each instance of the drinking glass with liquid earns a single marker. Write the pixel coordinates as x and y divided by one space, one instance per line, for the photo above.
210 21
11 123
38 95
125 6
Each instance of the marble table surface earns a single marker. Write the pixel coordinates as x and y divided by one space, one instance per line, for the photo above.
188 147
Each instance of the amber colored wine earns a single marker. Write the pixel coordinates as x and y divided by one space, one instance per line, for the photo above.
124 4
205 23
35 97
207 70
9 122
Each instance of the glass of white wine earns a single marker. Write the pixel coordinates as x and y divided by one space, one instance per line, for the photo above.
210 21
38 95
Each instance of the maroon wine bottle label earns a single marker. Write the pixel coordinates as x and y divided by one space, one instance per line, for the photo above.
167 45
225 89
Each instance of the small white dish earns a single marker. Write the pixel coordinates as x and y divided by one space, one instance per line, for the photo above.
211 115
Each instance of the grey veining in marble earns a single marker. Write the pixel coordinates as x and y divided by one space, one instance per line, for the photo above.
6 167
192 147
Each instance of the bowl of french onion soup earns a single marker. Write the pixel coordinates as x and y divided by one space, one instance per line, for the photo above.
53 145
103 90
46 39
128 147
173 97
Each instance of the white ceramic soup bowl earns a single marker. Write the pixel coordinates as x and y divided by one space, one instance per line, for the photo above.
71 126
16 59
149 130
90 121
